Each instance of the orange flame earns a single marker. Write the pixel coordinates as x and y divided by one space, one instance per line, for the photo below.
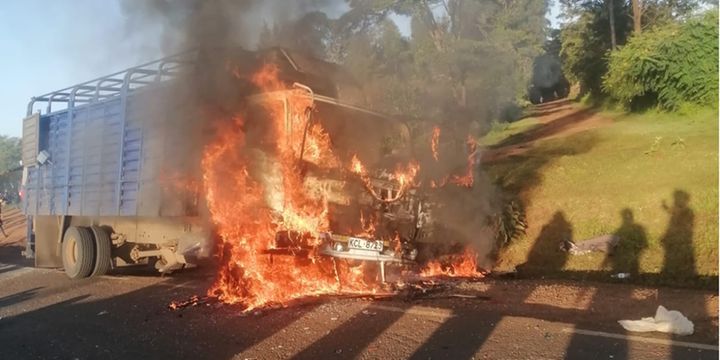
237 196
468 178
368 226
356 166
251 201
434 142
317 149
464 265
404 175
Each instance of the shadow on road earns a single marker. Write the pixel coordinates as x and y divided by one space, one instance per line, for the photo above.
137 324
19 297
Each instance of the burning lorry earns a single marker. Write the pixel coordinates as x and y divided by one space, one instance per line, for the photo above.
256 157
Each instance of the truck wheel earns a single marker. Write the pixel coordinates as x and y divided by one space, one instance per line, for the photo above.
102 250
78 252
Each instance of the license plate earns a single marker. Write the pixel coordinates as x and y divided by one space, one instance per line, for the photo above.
362 244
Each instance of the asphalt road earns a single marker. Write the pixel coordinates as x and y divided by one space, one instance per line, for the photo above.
44 315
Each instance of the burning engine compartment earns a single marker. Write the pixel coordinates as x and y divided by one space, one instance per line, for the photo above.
309 195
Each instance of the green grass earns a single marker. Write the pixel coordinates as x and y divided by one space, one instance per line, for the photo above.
635 163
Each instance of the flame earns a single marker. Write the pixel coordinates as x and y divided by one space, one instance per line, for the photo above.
368 226
357 167
468 178
464 265
317 149
252 200
404 175
434 142
237 196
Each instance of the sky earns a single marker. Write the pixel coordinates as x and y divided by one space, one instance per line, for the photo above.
47 45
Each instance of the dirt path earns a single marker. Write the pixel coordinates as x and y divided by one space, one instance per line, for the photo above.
555 119
12 245
14 225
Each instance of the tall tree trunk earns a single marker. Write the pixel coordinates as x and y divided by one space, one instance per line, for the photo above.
611 14
637 16
437 34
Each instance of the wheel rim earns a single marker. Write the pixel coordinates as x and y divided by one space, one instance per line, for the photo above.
78 252
72 254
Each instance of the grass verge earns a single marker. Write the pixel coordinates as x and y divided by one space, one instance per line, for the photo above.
651 179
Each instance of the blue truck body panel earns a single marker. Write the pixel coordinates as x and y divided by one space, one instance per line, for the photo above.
94 152
97 145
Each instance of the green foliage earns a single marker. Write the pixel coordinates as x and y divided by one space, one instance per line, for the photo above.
593 175
464 61
10 153
662 12
667 66
586 40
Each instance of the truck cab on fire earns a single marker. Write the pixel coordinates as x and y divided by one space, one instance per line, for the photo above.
112 167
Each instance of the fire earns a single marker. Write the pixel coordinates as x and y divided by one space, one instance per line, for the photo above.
434 142
237 196
468 178
254 189
404 175
357 167
368 226
317 148
464 265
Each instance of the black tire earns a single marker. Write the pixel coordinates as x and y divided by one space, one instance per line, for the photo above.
102 250
78 252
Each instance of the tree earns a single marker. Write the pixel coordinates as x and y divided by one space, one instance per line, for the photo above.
311 33
586 41
637 16
464 59
611 16
660 12
10 154
667 66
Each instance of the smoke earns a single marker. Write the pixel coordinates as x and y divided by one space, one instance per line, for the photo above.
225 26
215 23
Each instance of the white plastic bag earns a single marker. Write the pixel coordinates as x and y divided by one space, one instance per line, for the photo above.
664 321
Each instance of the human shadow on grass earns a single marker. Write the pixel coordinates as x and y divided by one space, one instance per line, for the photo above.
624 258
679 259
632 242
678 238
546 256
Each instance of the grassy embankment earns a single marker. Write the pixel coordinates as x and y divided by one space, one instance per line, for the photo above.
658 169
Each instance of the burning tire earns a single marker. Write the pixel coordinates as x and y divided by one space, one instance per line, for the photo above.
102 250
78 252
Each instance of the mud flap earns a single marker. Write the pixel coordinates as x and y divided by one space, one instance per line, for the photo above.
48 230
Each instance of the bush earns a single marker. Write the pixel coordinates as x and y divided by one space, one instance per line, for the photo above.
667 66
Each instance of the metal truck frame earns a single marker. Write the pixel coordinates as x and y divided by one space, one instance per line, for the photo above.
94 185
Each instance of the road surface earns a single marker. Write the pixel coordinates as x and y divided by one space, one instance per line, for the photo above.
44 315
